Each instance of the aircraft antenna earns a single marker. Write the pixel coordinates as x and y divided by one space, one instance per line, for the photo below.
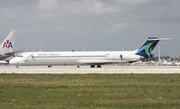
159 53
122 48
41 48
83 47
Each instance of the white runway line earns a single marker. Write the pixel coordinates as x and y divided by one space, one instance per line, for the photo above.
88 70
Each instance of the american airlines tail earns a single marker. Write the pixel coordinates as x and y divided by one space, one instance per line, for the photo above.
6 48
8 44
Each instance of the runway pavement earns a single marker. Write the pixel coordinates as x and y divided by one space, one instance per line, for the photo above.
87 70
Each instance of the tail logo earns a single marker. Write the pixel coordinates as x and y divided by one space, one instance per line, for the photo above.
7 44
146 49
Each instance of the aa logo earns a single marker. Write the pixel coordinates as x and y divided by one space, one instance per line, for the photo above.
7 44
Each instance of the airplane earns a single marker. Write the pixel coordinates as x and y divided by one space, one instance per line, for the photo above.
166 63
177 64
92 58
6 48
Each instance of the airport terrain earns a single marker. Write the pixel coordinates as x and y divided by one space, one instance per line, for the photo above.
106 69
89 91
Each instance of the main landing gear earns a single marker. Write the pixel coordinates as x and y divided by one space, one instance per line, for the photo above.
99 66
49 66
93 66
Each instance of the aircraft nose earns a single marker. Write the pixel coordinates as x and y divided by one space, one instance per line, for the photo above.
13 61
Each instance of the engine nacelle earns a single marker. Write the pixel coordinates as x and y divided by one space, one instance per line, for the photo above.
3 62
130 57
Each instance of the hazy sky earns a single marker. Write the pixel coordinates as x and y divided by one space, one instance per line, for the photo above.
63 25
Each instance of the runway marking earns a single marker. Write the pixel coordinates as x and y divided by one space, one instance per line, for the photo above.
107 71
87 70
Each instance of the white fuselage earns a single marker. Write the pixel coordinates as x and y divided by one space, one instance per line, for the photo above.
74 58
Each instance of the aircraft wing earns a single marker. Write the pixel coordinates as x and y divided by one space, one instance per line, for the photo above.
101 62
95 62
12 53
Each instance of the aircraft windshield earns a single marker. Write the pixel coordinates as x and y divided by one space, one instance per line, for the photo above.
20 55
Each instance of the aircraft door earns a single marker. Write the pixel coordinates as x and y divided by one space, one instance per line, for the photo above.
121 57
117 57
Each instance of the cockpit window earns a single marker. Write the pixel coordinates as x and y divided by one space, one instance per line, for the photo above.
20 55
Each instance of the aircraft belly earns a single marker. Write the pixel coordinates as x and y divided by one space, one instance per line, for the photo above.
52 62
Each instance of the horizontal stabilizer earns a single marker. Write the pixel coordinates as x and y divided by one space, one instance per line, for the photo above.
12 53
157 38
